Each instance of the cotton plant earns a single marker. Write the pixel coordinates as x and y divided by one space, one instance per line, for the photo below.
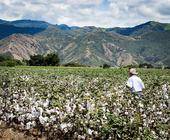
88 106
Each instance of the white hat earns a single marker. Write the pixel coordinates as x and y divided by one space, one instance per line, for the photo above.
133 71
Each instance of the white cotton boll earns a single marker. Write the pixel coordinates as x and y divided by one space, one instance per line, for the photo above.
73 107
166 96
145 124
48 111
104 109
126 113
68 108
40 110
46 103
1 112
17 108
29 116
47 124
131 120
34 112
81 137
52 118
81 107
11 116
144 115
87 94
21 118
152 121
162 132
118 110
57 111
22 125
159 113
141 105
129 101
153 132
87 116
90 106
65 125
164 88
33 123
154 107
28 125
43 120
95 133
89 131
141 110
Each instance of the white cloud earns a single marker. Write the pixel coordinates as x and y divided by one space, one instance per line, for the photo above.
104 13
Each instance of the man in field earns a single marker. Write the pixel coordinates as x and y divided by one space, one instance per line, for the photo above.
134 83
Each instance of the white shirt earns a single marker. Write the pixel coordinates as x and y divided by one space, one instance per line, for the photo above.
135 84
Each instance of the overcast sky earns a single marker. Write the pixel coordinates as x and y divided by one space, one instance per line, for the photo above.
100 13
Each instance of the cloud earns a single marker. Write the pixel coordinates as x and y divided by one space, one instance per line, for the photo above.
103 13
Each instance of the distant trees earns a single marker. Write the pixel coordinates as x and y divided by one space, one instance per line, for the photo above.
145 65
142 65
51 59
48 60
73 64
7 60
36 60
105 66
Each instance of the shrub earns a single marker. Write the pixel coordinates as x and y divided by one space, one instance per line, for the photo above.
40 60
52 59
105 66
9 63
72 64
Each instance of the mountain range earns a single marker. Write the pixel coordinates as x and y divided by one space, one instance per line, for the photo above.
89 45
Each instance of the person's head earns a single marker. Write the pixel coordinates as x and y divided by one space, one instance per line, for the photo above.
132 71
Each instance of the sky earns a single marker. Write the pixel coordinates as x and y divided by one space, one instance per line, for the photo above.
99 13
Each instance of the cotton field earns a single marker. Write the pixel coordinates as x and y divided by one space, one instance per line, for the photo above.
84 103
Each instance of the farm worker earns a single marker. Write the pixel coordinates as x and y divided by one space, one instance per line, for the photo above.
134 83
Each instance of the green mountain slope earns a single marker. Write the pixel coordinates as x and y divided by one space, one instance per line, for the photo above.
148 42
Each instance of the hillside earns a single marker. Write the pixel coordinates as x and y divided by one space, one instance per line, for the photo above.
148 42
21 46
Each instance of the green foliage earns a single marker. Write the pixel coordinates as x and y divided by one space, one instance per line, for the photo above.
10 63
92 101
40 60
72 64
7 60
105 66
4 57
36 60
145 65
167 27
51 59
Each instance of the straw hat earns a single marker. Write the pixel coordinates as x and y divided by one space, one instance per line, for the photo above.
133 71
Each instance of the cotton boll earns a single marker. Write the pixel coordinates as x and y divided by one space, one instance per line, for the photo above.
131 120
153 107
144 115
46 103
141 105
159 113
52 118
89 131
68 108
40 110
43 120
28 125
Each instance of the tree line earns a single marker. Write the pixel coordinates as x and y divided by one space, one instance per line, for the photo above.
35 60
7 60
40 60
52 59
